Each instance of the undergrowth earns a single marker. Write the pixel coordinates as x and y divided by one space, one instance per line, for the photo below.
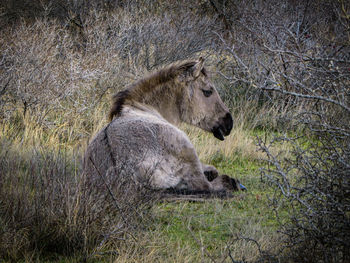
49 210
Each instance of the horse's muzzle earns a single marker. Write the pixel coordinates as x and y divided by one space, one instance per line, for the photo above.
224 127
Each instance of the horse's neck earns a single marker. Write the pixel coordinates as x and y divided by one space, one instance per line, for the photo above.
161 102
158 111
141 107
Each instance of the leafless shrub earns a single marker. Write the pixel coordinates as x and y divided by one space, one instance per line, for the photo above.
47 206
51 67
272 46
296 54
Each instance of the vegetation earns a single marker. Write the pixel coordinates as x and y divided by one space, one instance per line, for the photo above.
283 67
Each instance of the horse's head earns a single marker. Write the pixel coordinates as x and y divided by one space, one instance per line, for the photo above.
201 105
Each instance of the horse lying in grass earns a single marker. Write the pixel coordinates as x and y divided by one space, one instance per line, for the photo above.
142 132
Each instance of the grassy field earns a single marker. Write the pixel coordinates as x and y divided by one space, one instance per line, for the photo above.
41 179
214 230
207 231
281 67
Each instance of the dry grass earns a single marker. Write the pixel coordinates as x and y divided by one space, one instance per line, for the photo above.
41 179
250 122
55 86
207 232
49 207
240 144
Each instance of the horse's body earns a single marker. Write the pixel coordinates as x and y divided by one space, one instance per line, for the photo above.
142 137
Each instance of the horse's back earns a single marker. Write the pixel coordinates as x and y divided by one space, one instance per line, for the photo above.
151 145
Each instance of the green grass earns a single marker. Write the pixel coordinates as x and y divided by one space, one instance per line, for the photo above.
214 224
181 231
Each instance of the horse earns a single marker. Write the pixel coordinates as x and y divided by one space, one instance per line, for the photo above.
143 137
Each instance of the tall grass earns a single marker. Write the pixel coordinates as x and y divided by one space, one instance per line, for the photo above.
48 206
55 84
41 190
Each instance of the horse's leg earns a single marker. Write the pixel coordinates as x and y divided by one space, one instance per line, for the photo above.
224 182
183 163
221 182
210 172
188 168
201 178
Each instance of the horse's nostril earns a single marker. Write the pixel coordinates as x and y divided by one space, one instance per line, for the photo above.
228 123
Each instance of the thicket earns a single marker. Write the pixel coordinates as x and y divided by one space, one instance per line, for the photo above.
60 61
296 56
283 64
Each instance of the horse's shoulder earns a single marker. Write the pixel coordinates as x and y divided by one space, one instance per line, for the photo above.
134 119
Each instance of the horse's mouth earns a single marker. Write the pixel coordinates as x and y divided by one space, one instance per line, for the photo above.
218 133
224 129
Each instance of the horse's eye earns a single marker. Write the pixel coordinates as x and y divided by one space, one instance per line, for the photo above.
207 93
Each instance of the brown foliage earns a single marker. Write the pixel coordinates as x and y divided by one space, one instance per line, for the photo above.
49 207
58 60
296 55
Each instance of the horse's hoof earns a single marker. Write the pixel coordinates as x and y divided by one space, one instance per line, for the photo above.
230 183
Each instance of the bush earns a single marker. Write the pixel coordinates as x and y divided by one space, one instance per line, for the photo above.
314 181
49 207
294 56
284 66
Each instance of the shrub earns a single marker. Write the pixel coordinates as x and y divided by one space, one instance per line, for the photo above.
295 56
48 207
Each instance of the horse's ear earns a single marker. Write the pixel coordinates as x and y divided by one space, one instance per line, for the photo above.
197 68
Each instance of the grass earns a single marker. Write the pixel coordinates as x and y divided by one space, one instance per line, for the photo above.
58 69
45 212
199 231
45 160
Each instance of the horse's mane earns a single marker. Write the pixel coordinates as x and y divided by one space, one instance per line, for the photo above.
147 83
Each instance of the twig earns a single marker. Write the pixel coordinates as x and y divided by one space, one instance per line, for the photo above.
109 191
315 97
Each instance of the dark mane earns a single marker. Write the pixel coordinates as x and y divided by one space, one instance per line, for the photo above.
136 90
118 102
